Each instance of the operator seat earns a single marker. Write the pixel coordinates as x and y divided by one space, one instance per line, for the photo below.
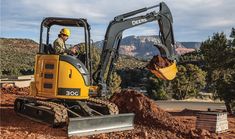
48 49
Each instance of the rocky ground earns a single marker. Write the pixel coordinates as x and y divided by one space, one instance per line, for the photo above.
150 120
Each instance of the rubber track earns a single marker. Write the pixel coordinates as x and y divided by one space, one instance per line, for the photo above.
113 109
61 114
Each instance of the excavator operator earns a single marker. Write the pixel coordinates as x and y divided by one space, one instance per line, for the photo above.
59 44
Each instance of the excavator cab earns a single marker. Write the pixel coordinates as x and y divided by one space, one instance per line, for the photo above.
45 46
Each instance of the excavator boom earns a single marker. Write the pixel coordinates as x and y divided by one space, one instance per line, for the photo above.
113 36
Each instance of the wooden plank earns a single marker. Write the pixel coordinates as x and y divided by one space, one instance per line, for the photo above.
212 121
206 121
213 117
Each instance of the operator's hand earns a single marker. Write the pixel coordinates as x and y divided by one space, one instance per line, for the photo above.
74 51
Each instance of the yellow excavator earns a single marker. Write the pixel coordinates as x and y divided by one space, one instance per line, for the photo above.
65 92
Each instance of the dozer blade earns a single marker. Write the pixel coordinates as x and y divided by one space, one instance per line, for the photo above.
100 124
163 68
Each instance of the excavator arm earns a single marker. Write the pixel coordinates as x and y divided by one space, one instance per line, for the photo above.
113 36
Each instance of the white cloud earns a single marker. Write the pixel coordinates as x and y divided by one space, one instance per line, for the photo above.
218 23
194 20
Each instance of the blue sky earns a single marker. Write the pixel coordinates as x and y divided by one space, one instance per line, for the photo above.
194 20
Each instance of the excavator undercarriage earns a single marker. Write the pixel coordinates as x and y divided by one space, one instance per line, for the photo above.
87 117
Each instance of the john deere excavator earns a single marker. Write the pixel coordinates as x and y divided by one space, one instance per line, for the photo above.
66 93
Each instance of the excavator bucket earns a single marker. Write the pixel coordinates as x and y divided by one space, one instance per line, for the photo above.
100 124
163 68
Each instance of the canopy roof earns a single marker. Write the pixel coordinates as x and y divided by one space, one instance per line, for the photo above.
49 21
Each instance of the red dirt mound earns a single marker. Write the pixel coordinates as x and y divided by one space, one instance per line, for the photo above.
15 90
149 114
8 94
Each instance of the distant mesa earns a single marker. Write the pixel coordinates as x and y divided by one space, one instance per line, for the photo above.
181 50
19 43
143 46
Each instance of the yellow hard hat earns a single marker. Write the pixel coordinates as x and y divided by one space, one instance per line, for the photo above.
65 31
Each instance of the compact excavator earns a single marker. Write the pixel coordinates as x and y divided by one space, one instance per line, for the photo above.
66 93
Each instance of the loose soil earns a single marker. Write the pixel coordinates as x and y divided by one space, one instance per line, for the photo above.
156 63
159 62
150 120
